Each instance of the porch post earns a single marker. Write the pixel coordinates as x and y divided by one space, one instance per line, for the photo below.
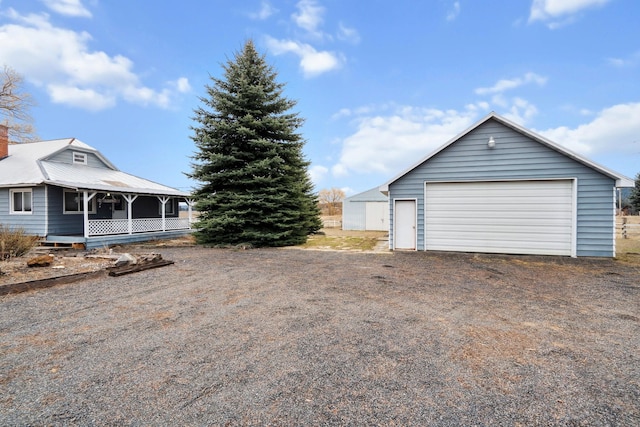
190 203
163 201
85 210
129 199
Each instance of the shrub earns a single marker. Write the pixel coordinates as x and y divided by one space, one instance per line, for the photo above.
15 242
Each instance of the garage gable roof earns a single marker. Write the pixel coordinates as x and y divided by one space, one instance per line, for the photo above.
621 180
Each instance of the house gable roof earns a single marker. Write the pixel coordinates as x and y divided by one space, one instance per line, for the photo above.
33 163
621 180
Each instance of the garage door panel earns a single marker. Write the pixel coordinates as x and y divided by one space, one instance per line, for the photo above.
531 217
533 248
499 236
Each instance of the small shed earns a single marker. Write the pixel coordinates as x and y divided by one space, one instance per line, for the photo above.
500 188
368 210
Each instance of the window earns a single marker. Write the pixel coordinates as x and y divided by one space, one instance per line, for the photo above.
79 158
21 201
120 204
74 203
169 208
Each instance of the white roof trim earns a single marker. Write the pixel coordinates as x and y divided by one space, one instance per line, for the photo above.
621 180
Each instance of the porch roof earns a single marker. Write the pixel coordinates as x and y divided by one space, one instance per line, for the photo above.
99 179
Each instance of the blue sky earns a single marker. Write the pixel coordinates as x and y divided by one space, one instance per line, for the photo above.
381 84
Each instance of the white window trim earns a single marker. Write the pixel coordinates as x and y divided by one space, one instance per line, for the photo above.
79 158
92 204
170 208
12 210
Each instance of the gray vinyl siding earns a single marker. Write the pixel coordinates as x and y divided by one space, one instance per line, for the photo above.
33 223
59 222
66 156
515 156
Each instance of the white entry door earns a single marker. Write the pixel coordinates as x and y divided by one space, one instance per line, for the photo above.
405 225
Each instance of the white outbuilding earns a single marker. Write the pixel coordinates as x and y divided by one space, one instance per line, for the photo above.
368 210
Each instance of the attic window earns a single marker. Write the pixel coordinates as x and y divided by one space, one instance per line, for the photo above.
79 158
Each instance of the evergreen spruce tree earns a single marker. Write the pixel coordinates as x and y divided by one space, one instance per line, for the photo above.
634 198
255 188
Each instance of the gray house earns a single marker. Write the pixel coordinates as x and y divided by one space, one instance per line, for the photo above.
68 193
500 188
368 210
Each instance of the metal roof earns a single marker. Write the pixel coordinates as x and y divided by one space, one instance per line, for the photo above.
371 195
28 165
621 180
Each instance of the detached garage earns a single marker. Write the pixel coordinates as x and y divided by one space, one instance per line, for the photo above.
500 188
368 210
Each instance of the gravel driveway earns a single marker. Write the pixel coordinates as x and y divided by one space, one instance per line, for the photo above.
299 337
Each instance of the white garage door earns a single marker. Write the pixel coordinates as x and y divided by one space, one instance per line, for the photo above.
517 217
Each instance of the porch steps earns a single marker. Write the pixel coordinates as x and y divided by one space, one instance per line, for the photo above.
48 245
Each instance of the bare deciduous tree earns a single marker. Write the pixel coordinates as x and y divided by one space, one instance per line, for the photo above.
15 104
331 200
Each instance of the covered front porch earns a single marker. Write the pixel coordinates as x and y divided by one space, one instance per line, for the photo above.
120 218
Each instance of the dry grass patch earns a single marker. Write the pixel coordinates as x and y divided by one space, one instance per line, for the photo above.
336 239
628 250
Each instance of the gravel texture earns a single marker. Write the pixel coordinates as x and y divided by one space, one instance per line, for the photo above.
299 337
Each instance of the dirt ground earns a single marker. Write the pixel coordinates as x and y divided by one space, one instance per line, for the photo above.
317 337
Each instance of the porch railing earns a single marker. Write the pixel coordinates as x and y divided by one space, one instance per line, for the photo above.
101 227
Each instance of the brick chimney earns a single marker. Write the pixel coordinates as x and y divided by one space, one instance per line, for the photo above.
4 141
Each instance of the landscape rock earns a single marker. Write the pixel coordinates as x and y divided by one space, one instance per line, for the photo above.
125 259
40 261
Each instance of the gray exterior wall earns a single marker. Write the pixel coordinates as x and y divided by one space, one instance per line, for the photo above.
60 223
33 223
66 156
515 156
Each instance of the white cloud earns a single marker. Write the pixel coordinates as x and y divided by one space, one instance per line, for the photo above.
521 111
68 8
266 10
560 12
87 99
312 62
508 84
615 128
347 34
454 12
348 191
317 174
309 16
392 142
629 61
182 85
61 60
